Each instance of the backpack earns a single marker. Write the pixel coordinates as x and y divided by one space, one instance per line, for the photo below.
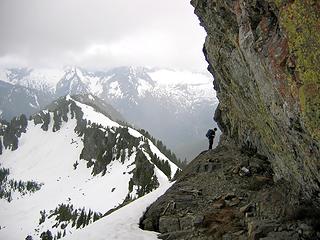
210 133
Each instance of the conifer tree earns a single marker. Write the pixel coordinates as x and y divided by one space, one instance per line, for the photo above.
56 121
0 146
81 219
89 217
46 235
46 121
24 122
43 216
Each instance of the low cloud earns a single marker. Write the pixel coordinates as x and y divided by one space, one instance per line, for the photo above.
100 33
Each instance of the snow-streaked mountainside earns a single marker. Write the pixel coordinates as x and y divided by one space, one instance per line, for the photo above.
71 80
16 99
175 106
111 83
40 79
64 170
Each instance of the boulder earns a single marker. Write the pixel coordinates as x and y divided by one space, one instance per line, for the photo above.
186 222
281 236
168 224
260 228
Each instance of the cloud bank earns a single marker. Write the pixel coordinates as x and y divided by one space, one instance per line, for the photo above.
100 33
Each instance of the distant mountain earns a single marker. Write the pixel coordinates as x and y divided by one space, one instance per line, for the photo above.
43 80
72 164
16 99
72 82
175 106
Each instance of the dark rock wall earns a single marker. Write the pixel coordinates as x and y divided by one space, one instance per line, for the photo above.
265 58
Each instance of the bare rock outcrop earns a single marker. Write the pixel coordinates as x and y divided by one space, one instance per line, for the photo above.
265 57
263 180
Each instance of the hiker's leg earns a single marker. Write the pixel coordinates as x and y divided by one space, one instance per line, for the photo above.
210 143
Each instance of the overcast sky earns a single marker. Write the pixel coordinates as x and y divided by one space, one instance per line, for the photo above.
100 33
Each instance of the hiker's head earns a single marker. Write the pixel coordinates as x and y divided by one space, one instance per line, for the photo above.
215 129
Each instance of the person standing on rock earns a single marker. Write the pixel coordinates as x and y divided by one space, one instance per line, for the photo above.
210 135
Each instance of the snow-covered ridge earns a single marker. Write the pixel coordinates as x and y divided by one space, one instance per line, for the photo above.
95 81
95 117
39 79
53 152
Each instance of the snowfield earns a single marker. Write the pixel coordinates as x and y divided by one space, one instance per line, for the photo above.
122 224
49 158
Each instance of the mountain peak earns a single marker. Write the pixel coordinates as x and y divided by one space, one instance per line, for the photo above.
72 83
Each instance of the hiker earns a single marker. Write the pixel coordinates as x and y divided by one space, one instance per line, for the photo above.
210 135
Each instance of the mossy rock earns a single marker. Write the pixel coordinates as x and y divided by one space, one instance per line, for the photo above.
300 20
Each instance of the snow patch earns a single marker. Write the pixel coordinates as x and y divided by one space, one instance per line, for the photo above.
95 85
91 97
3 75
89 113
143 87
114 90
33 106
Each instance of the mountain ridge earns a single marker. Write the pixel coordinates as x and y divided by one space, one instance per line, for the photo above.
142 95
76 164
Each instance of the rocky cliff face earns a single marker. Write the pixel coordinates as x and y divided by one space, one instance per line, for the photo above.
265 57
263 180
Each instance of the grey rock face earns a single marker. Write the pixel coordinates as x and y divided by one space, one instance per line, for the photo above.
168 224
266 127
248 49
